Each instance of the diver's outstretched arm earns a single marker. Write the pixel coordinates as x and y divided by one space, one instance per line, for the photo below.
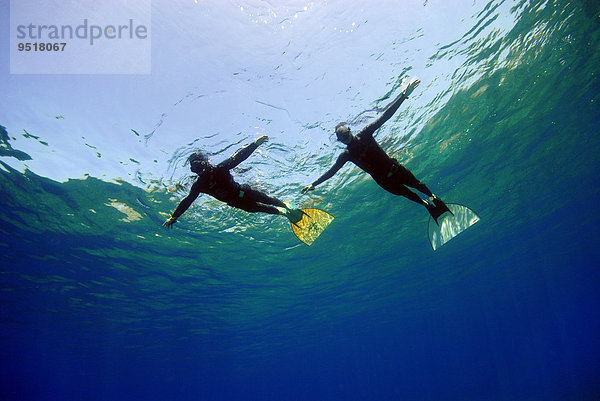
341 160
391 109
242 154
183 205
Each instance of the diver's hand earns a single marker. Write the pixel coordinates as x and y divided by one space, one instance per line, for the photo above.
262 140
307 188
169 222
411 87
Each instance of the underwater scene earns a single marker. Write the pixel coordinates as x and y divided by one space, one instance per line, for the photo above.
99 301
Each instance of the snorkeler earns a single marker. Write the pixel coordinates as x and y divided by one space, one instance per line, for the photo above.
218 182
364 151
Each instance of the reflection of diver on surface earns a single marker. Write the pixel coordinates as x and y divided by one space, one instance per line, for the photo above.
364 151
218 182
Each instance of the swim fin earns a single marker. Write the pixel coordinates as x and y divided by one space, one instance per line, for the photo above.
308 224
451 224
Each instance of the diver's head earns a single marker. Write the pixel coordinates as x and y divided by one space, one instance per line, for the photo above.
198 162
343 133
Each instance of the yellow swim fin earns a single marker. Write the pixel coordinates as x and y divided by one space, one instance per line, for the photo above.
308 224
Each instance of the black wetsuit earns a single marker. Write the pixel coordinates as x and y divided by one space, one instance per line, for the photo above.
364 151
218 182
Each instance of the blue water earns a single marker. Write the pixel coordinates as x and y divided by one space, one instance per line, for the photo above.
98 302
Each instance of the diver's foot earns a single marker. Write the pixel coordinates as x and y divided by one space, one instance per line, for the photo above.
436 207
285 208
293 215
440 204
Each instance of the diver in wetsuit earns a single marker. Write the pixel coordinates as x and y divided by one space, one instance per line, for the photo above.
364 151
218 182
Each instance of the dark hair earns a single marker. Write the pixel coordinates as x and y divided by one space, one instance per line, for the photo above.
344 129
197 156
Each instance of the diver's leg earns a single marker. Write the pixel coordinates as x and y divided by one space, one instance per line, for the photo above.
434 205
435 208
395 186
422 188
394 183
254 201
250 206
260 197
410 180
267 209
262 202
407 193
